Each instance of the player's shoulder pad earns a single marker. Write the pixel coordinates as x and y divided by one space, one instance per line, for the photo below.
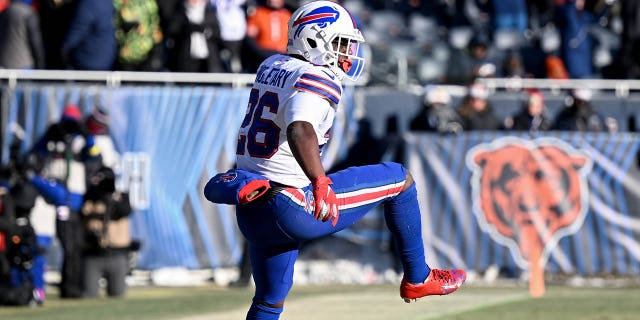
322 82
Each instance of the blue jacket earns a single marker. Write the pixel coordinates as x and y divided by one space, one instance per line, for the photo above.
90 43
56 194
576 46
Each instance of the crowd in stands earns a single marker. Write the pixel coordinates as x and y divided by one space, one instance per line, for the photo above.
475 112
454 42
439 41
141 35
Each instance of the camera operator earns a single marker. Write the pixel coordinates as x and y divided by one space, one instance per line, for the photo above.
63 153
104 215
18 245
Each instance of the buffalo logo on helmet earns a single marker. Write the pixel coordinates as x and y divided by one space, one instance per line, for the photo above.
322 16
528 194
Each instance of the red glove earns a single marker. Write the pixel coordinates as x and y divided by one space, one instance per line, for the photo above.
325 201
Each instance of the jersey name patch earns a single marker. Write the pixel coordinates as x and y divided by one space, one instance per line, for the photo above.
272 76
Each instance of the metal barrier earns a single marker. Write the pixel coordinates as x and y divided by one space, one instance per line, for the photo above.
116 78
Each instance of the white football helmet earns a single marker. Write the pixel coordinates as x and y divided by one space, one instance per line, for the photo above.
316 29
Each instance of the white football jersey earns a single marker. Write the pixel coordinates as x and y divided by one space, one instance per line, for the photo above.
286 89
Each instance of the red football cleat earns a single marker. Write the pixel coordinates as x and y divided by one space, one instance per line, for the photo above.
439 282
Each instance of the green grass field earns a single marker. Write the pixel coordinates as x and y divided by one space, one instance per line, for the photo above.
345 302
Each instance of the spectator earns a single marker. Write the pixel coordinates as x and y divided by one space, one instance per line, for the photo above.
576 49
452 14
532 116
509 15
436 113
579 115
266 31
532 58
233 28
476 112
138 35
64 147
43 220
555 67
426 8
483 61
166 12
55 18
105 217
474 12
20 37
512 65
97 124
630 39
540 12
90 43
476 61
195 34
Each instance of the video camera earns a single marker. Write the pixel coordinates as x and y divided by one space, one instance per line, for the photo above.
15 176
18 243
17 198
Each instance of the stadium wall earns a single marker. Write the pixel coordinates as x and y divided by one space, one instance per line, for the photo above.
174 137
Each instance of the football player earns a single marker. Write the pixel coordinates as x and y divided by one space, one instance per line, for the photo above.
291 108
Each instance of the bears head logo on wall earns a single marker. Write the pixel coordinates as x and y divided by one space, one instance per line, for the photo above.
528 194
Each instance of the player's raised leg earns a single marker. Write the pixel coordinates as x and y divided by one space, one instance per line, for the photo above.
361 188
402 215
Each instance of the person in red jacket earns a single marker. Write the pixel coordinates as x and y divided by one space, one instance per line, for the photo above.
266 31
